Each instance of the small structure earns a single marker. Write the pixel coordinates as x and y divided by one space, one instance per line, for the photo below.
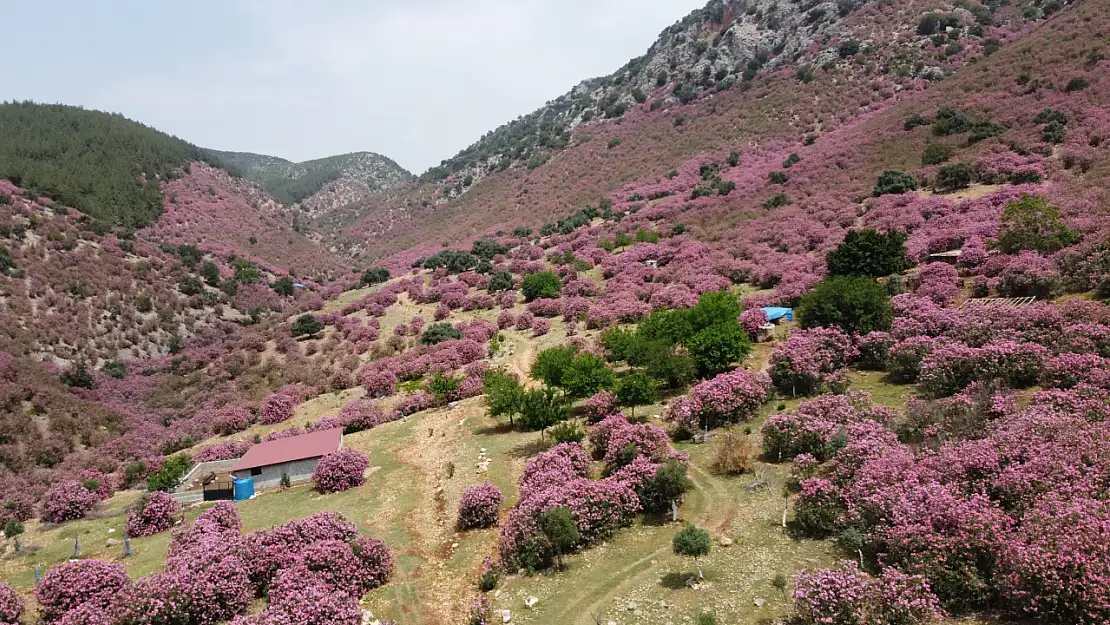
776 314
997 303
295 456
951 257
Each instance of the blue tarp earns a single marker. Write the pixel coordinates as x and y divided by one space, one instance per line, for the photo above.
298 285
774 313
244 488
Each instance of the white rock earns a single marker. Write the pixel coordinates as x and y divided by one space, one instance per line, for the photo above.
531 602
506 616
759 603
367 617
631 606
611 623
724 541
111 530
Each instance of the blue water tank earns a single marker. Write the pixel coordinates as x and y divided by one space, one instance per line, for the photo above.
244 488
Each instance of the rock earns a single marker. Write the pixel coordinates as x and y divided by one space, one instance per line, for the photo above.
759 603
531 602
631 606
111 530
112 542
454 545
611 623
724 541
506 616
367 617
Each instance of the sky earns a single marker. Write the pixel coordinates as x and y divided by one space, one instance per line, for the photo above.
415 80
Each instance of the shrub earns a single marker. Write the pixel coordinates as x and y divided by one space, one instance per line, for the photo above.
727 398
277 408
848 596
869 253
67 501
936 153
11 605
856 305
501 281
306 325
340 470
567 432
635 390
665 487
479 506
954 176
1031 223
733 455
169 476
156 512
692 542
810 360
439 332
717 346
541 285
1076 84
231 419
818 509
894 182
69 585
375 275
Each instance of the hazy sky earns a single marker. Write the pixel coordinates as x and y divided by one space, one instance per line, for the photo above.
416 80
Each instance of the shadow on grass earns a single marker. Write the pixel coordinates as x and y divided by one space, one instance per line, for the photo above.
660 519
677 581
527 450
493 430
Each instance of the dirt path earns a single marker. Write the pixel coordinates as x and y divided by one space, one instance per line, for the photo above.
434 444
520 362
709 505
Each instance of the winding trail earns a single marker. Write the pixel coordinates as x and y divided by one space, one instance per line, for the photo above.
709 505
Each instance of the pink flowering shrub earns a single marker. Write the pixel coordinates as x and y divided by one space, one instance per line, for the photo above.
67 501
225 450
848 596
952 367
479 506
276 408
231 419
340 470
633 440
11 605
809 360
524 321
298 595
1054 567
413 404
905 356
68 585
728 398
938 281
600 406
559 464
751 320
378 382
813 428
155 512
541 327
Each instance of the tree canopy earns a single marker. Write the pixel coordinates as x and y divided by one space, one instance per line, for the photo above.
853 304
99 163
869 252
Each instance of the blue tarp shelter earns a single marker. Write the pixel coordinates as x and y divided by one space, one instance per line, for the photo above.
775 313
244 488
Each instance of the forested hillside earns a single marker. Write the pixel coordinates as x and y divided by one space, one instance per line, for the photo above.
102 164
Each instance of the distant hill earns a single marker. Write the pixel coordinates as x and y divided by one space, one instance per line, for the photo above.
100 163
293 183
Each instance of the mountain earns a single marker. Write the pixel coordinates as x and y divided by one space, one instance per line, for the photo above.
321 183
734 76
102 164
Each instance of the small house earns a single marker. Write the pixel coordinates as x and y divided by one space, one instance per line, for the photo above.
295 456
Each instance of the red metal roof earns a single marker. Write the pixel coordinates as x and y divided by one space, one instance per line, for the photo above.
311 445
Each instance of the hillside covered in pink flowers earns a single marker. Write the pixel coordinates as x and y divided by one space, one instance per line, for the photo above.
560 396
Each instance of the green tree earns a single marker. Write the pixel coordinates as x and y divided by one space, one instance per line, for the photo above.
713 308
692 542
551 364
668 368
439 332
306 325
501 281
79 376
637 389
283 286
854 304
618 342
869 253
540 285
1031 223
665 488
954 176
442 386
211 273
558 526
586 375
245 271
716 347
673 327
894 182
487 248
190 285
169 476
375 275
189 255
936 153
540 409
114 369
504 394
